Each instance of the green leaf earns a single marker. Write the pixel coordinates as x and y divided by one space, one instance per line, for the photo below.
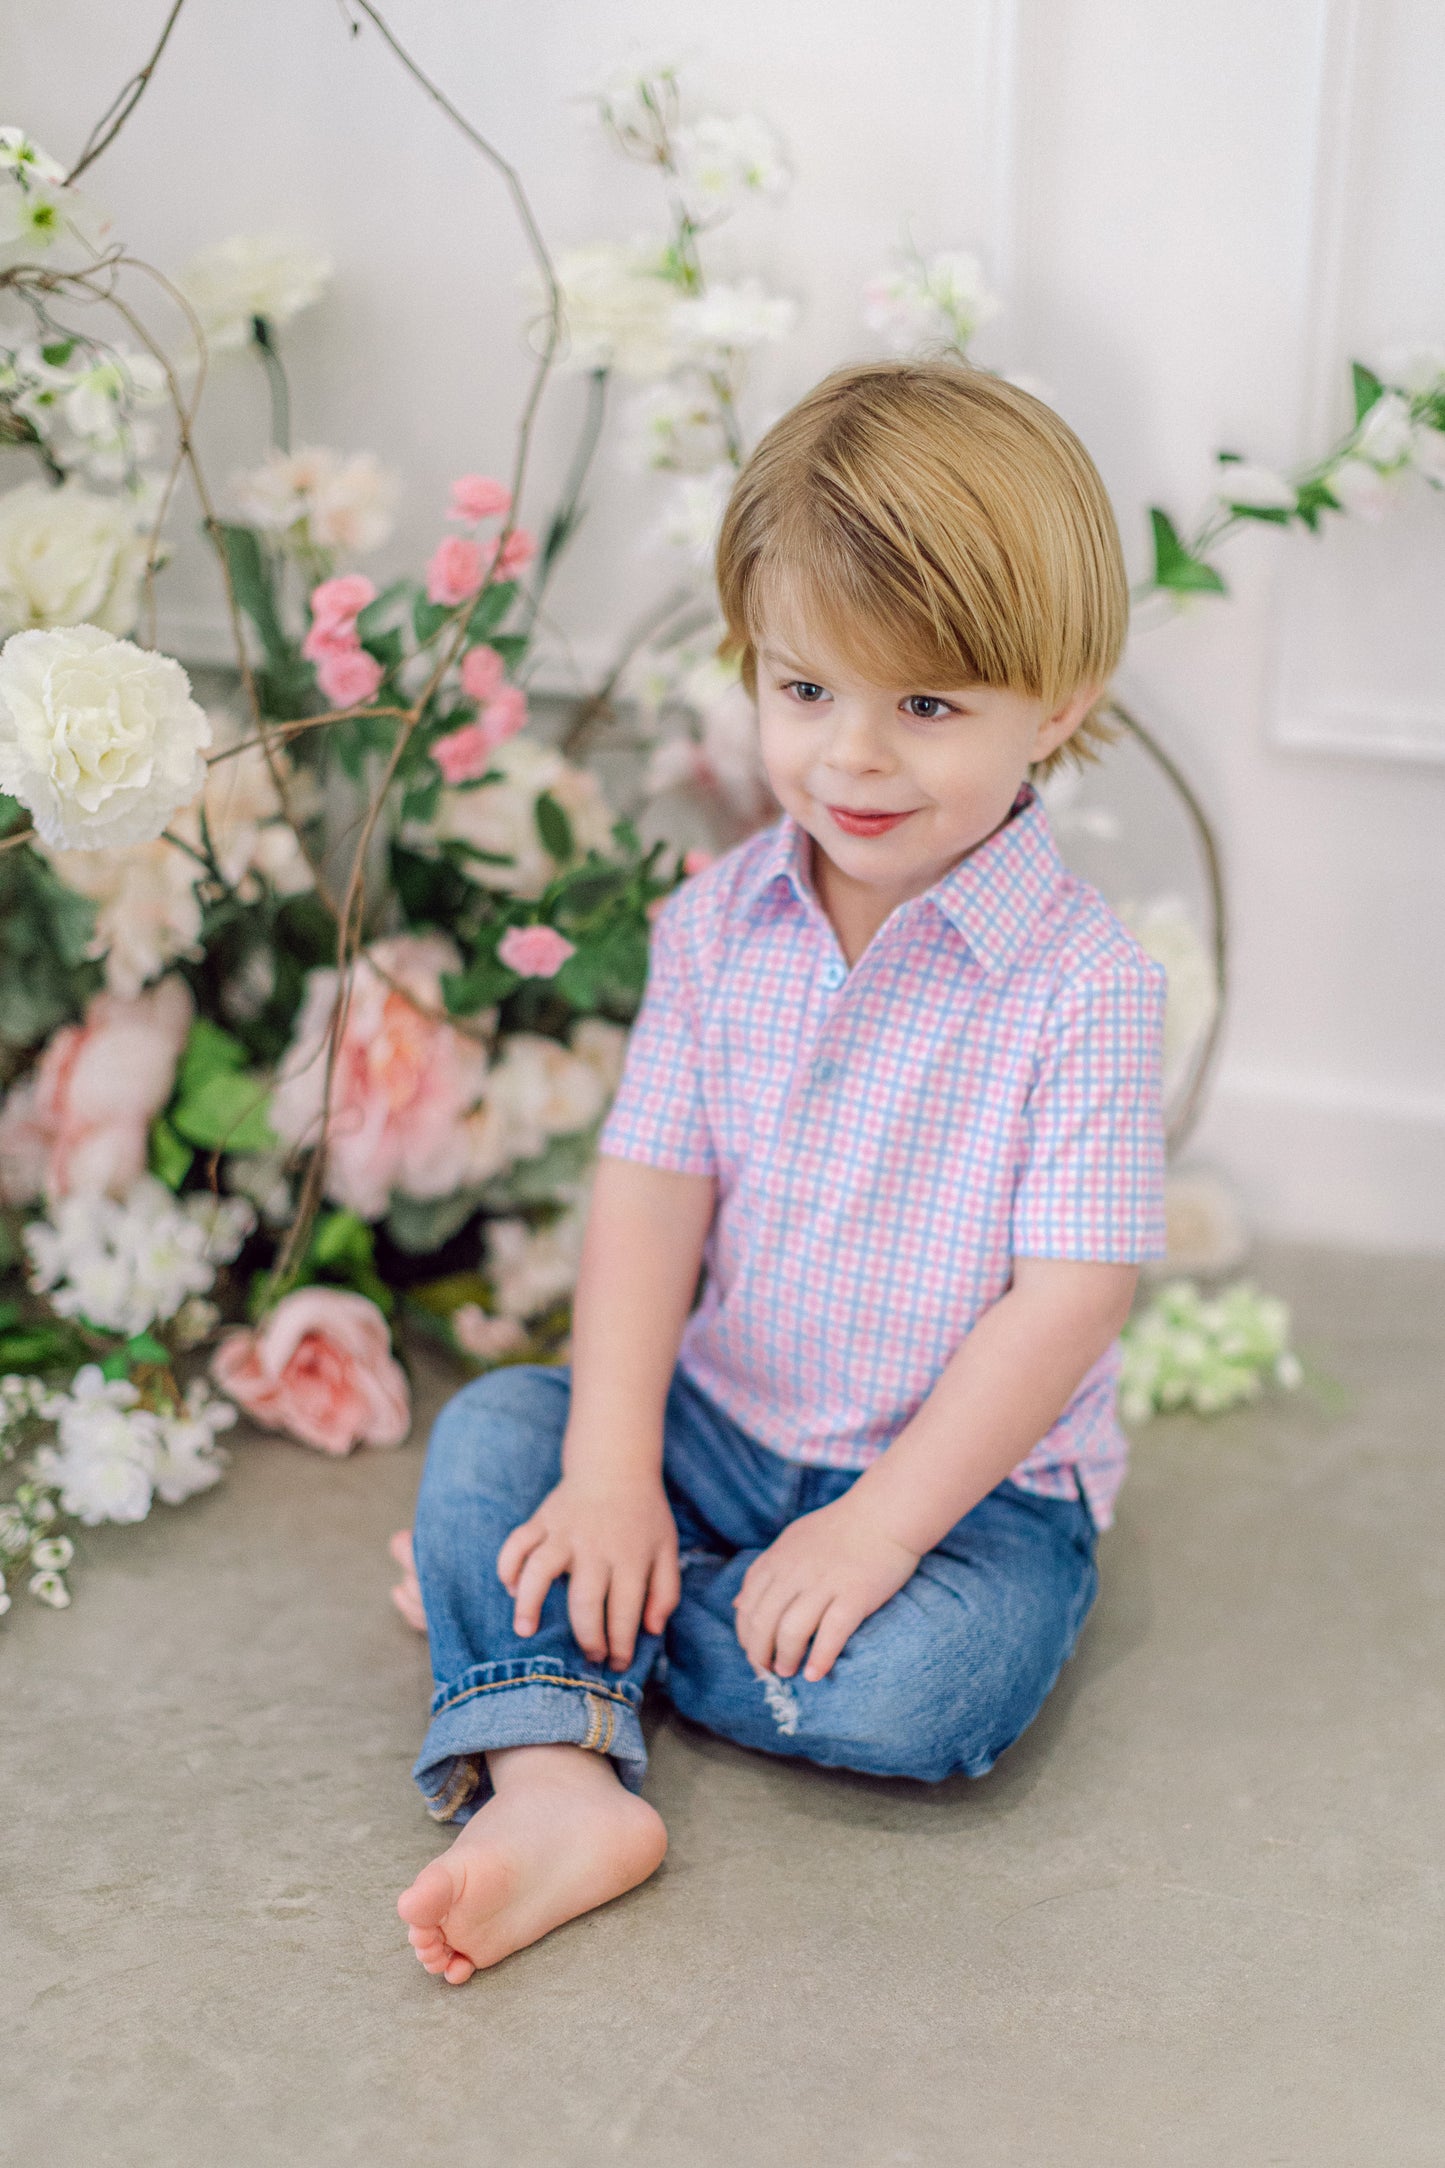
420 1225
420 802
386 647
1174 567
251 578
369 620
511 646
144 1347
58 353
554 827
1367 389
343 1248
168 1157
287 688
427 618
38 1347
116 1365
209 1051
491 606
227 1113
1315 498
482 983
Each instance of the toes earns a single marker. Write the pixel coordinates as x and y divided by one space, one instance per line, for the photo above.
430 1898
407 1598
401 1550
459 1969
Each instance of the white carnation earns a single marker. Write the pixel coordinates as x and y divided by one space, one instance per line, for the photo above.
68 557
267 275
720 161
502 816
728 319
940 300
100 739
108 1451
617 309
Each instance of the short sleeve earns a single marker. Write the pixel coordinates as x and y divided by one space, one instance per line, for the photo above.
1092 1182
658 1114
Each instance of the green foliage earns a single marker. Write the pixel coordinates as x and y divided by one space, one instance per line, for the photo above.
341 1253
217 1104
1174 567
169 1156
554 827
1367 389
491 606
253 581
45 929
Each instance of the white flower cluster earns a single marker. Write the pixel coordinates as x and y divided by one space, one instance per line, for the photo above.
930 301
502 816
113 1456
38 212
533 1268
82 401
268 275
99 739
69 557
319 499
1402 433
125 1264
1186 1351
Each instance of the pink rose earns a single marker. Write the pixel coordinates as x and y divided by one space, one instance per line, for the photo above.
516 553
463 755
408 1091
504 714
320 1368
535 952
455 570
477 496
348 676
483 671
696 861
324 640
337 603
80 1120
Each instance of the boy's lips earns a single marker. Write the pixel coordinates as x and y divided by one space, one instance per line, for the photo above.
866 824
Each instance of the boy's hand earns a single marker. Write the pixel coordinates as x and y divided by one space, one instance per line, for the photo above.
617 1543
824 1575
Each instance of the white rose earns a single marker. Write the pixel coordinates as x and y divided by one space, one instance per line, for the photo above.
346 504
68 557
544 1090
251 275
99 739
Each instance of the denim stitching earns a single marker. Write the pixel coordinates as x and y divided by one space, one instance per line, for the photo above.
545 1678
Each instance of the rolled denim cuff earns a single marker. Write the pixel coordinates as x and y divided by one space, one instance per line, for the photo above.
527 1701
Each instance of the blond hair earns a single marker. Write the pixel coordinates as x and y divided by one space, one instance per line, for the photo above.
938 527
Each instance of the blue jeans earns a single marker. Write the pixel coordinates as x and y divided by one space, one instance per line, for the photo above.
940 1678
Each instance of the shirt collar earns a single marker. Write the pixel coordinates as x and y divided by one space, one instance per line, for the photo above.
994 897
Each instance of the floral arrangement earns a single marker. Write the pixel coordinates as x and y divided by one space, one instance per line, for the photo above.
1188 1351
311 1007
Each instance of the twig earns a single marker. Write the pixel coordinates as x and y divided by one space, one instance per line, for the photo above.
119 111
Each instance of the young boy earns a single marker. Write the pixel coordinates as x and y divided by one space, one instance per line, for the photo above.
895 1085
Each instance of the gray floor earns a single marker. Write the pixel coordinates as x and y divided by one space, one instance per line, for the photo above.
1193 1917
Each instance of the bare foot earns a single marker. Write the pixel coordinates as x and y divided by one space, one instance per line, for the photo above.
407 1593
560 1835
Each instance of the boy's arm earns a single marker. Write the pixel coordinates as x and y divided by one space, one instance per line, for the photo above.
1002 1389
607 1525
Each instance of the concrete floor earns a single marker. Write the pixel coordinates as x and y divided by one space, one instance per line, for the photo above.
1192 1917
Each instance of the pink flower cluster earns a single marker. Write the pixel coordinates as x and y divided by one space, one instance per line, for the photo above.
459 565
347 675
463 755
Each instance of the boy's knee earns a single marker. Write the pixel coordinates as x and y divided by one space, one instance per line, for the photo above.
500 1433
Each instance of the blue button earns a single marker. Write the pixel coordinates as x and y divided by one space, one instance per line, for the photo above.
826 1071
833 974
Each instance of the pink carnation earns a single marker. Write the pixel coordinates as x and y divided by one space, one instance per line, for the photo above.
348 676
504 716
81 1119
455 570
535 952
463 755
477 496
322 640
336 604
483 671
517 553
320 1368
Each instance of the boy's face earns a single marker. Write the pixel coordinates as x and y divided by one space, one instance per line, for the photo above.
950 759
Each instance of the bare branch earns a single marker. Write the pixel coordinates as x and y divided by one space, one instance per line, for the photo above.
119 111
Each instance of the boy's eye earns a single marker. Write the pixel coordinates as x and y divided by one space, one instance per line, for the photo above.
926 707
805 689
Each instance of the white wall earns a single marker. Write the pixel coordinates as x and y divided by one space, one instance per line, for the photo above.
1198 214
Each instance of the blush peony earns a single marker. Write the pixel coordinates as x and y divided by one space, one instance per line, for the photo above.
320 1368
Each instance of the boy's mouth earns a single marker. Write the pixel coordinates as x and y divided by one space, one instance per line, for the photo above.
866 824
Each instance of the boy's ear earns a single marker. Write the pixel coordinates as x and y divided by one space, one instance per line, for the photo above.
1063 722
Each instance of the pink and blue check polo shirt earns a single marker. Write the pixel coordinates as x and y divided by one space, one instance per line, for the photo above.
983 1084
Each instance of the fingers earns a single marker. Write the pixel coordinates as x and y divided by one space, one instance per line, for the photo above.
835 1629
664 1592
524 1538
537 1575
796 1628
624 1609
587 1596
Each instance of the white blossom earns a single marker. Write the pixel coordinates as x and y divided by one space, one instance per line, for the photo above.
52 1553
693 513
1417 369
675 427
188 1459
1260 488
318 497
532 1269
125 1264
233 282
730 319
1384 437
617 309
719 162
938 300
501 816
544 1089
37 210
104 1465
1361 488
68 557
640 103
99 739
1427 453
50 1588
